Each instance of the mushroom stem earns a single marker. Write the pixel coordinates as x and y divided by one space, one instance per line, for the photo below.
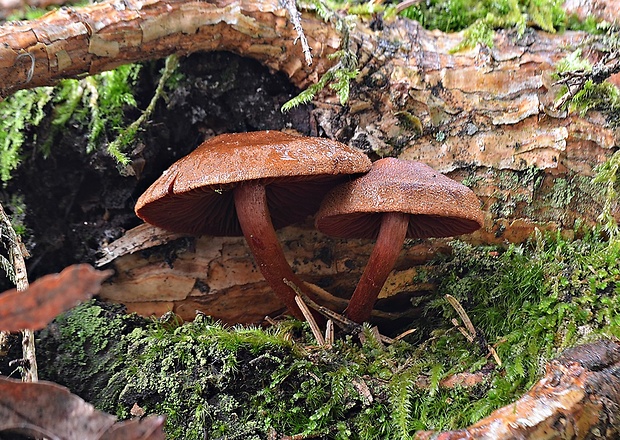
255 220
381 262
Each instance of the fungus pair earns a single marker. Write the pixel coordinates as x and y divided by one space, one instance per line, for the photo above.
253 183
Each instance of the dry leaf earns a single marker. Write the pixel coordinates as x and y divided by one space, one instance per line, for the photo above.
44 408
49 296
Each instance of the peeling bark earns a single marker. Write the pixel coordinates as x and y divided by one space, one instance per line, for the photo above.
578 398
218 275
71 42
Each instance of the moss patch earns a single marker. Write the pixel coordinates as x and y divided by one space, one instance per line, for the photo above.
82 349
529 302
478 19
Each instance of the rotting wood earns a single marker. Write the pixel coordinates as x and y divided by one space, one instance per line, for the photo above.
72 41
578 398
607 10
218 276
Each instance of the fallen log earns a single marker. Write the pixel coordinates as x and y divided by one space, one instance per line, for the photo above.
578 398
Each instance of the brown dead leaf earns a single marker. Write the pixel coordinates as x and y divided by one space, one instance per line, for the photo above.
49 296
44 408
47 409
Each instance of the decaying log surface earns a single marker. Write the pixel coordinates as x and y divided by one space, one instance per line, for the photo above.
607 10
218 275
578 398
483 116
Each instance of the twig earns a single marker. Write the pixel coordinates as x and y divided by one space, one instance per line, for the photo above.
575 80
469 331
404 5
343 322
329 332
316 331
271 321
16 253
337 304
405 333
295 16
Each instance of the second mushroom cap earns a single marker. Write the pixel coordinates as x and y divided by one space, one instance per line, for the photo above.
438 206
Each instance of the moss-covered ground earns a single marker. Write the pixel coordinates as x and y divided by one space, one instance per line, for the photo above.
529 302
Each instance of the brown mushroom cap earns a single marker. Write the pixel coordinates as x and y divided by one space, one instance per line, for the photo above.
438 206
194 195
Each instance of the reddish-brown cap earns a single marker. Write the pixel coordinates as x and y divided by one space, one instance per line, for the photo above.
195 194
439 206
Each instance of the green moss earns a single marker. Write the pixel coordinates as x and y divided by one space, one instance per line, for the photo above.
572 62
603 96
607 178
590 89
84 347
561 194
18 113
17 209
529 301
478 33
27 12
38 116
480 18
339 76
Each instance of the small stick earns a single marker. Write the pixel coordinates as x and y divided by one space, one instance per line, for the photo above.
329 332
337 304
316 331
343 322
295 17
16 252
271 321
405 333
464 332
469 331
463 314
404 5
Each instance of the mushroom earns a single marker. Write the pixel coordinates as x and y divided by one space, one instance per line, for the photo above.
394 200
251 184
